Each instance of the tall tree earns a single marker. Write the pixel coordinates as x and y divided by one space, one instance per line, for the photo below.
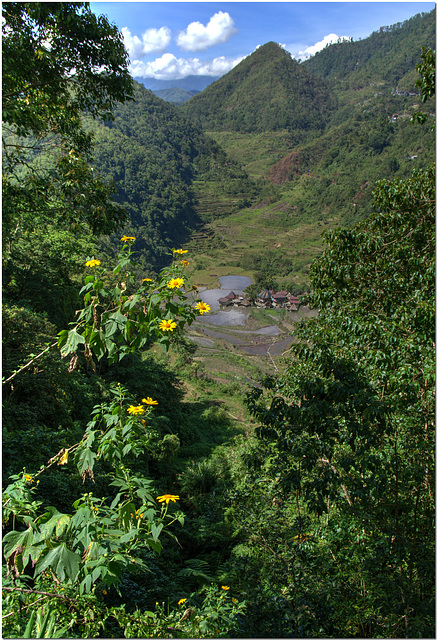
59 61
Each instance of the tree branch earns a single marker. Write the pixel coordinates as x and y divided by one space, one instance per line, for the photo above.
30 362
42 593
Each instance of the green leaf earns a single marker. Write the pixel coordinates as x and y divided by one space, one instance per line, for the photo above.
133 533
86 584
156 531
29 627
86 460
69 563
50 559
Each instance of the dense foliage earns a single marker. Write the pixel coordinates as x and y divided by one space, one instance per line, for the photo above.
350 425
59 61
351 422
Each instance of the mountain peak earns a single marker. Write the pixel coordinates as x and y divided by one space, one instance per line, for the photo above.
267 91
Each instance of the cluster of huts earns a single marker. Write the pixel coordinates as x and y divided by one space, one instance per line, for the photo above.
266 299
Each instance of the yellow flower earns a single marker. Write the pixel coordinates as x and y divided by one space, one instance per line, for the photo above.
28 477
92 263
234 600
105 593
182 600
175 283
167 325
185 263
167 497
127 239
135 410
180 251
149 401
147 279
226 588
202 307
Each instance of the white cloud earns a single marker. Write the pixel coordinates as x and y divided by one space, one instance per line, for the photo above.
168 67
306 53
197 37
152 41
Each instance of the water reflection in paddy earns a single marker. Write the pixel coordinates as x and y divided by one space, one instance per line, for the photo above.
237 284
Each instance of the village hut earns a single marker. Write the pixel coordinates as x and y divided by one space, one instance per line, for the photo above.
280 298
293 303
227 300
264 298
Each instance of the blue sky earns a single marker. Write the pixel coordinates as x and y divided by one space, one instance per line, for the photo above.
172 40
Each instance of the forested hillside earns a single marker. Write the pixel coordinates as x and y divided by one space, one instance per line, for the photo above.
153 154
386 55
175 95
155 487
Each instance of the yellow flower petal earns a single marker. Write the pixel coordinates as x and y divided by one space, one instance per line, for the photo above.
175 283
92 263
167 497
167 325
135 410
202 307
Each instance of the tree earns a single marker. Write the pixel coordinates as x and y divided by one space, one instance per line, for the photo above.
59 62
351 422
426 83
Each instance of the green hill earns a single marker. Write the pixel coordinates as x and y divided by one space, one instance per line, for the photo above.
267 91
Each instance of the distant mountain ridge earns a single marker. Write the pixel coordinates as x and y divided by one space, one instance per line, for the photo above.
190 83
300 143
357 59
176 95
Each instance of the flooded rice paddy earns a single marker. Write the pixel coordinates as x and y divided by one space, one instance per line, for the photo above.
262 342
